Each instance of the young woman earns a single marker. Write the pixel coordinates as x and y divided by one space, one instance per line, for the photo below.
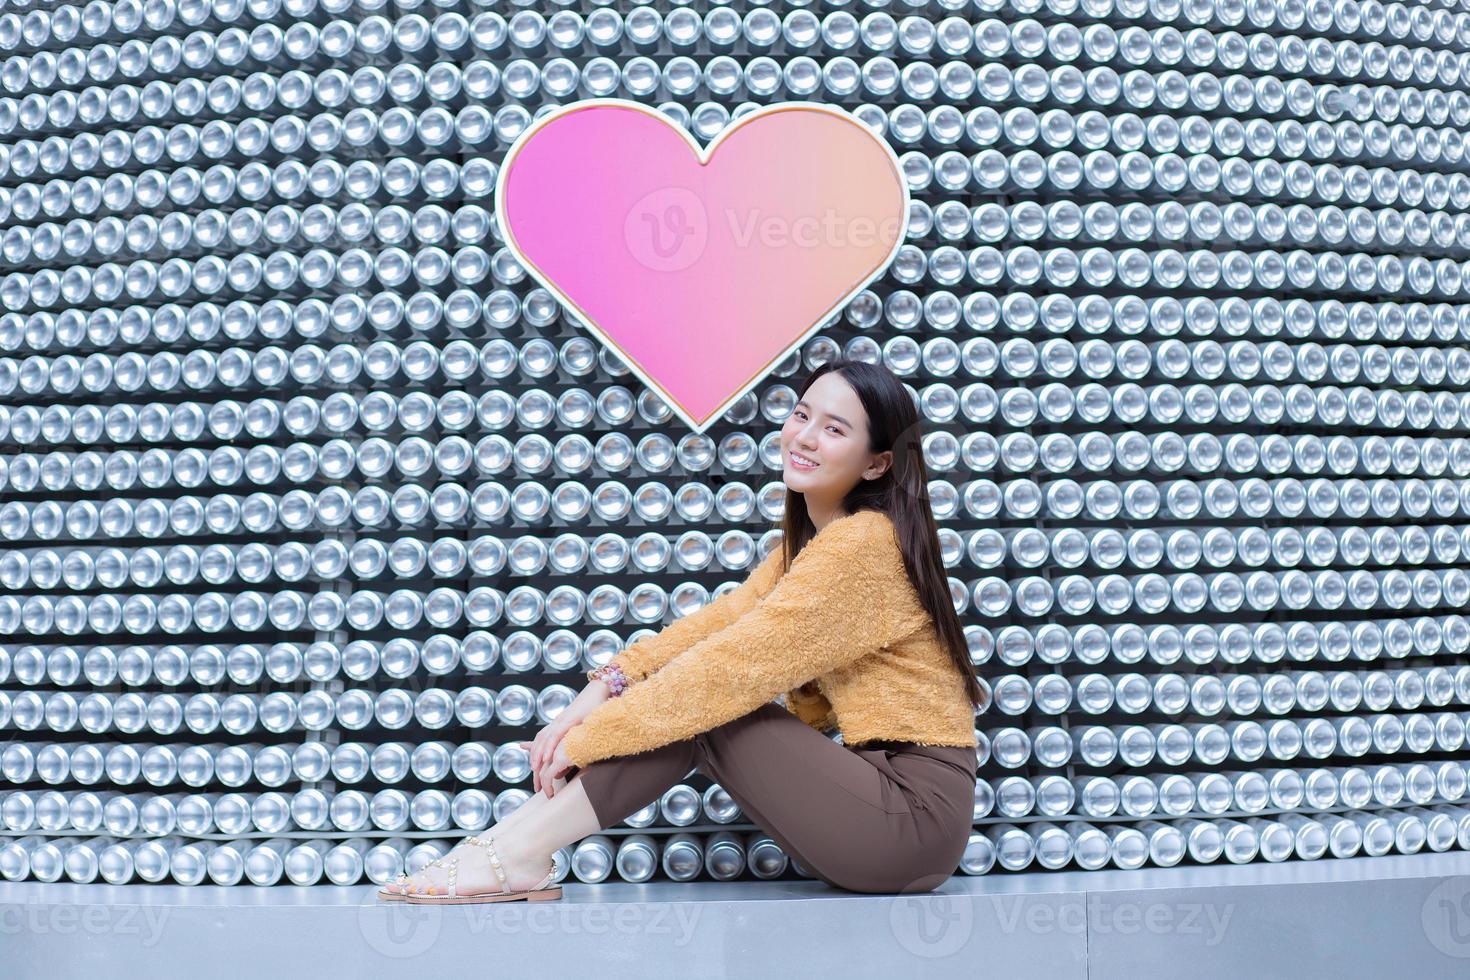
851 619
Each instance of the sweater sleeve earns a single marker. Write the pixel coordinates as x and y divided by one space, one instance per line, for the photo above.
650 653
838 602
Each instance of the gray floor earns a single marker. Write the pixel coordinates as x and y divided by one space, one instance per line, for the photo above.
1363 917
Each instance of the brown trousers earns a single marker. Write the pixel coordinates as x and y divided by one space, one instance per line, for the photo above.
887 817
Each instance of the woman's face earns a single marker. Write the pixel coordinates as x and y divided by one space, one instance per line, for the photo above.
828 427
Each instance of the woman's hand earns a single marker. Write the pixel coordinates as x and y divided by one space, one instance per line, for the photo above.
546 749
551 774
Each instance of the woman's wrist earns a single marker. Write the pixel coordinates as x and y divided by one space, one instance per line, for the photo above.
611 676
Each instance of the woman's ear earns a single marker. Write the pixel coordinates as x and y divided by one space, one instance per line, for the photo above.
879 466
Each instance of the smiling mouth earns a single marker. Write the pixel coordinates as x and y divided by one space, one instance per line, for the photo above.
802 463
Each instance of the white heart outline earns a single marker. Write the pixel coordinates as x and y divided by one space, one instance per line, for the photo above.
703 155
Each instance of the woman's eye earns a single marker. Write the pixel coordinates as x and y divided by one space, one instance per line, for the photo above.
835 429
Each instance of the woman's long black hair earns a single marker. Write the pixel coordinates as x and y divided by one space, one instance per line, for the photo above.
902 492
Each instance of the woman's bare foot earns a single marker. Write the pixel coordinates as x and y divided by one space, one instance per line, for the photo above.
525 846
522 867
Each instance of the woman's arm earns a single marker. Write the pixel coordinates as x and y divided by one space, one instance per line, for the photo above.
652 652
845 596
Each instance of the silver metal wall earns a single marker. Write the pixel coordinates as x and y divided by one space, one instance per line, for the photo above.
312 504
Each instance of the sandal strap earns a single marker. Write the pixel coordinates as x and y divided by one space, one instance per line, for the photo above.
453 867
489 845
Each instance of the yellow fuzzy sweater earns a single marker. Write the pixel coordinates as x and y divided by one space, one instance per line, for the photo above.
841 633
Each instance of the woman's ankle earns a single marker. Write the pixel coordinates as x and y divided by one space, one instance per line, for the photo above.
520 852
526 810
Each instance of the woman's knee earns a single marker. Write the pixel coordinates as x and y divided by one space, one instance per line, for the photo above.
712 744
754 717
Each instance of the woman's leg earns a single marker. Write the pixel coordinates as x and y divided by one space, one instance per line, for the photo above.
622 785
825 805
844 818
592 799
527 810
525 846
838 811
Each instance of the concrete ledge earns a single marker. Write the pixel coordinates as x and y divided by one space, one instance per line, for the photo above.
1398 914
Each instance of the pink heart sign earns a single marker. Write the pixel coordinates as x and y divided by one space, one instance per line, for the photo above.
702 267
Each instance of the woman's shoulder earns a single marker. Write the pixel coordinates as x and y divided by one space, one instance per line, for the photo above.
867 524
862 554
863 534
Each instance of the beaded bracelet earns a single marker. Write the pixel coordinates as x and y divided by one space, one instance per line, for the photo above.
612 675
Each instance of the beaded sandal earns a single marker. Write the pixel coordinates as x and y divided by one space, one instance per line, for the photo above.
542 891
401 883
